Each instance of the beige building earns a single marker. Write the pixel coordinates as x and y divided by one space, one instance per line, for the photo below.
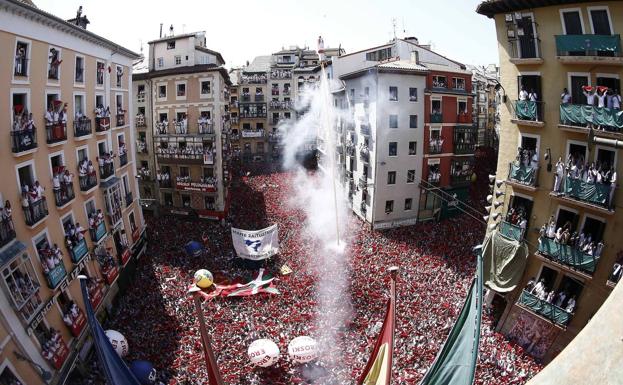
65 100
561 51
182 123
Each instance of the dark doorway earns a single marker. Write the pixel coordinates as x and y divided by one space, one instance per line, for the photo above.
567 219
549 277
577 93
595 228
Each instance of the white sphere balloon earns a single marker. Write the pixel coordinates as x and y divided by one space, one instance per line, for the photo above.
303 349
263 352
118 342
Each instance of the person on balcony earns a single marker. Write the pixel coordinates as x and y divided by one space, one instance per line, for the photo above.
616 100
523 94
565 97
590 97
49 116
571 304
560 298
7 215
56 186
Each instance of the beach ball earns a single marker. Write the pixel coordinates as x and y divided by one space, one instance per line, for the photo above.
144 371
303 349
118 342
203 278
263 353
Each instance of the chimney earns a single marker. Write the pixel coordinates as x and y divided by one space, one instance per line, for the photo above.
160 30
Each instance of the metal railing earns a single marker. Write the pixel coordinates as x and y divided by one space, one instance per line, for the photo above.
123 159
55 132
120 120
107 170
7 230
435 148
464 148
82 127
64 194
523 175
36 211
87 182
527 110
436 117
511 231
525 47
21 66
550 311
568 255
588 45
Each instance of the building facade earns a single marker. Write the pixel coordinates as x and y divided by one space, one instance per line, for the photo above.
183 126
559 195
69 192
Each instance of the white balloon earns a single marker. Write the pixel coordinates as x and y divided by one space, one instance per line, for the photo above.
118 342
263 352
303 349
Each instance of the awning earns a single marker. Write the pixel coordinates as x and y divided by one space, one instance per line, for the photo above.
504 261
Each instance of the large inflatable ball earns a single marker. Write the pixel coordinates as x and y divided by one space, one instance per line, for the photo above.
118 342
203 278
144 371
263 353
303 349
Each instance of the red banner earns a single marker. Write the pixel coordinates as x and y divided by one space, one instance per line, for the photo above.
125 256
136 234
60 355
96 297
78 324
110 274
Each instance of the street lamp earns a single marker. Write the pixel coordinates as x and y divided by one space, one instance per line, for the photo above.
45 375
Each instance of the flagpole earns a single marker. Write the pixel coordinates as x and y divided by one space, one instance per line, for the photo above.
214 375
393 272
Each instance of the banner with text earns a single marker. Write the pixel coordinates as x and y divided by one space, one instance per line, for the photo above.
256 245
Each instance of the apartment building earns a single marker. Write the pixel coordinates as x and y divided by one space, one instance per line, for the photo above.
554 55
182 124
68 170
253 111
404 99
485 87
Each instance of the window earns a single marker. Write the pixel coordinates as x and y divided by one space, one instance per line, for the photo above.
391 177
600 21
205 87
101 68
209 203
393 121
21 59
178 60
412 121
389 206
170 44
186 200
160 62
168 199
412 94
119 73
181 89
458 83
79 75
379 55
162 91
393 148
20 284
393 94
439 82
408 204
412 148
410 176
54 62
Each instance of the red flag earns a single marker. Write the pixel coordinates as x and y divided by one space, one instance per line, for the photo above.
378 370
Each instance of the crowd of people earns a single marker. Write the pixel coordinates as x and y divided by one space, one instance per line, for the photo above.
86 174
518 216
280 74
51 257
596 173
74 234
34 202
562 299
253 79
582 241
24 129
62 185
436 263
189 151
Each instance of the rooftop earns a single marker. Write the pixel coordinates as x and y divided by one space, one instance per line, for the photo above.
490 8
259 64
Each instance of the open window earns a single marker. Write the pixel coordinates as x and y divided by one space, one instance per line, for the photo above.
595 228
567 219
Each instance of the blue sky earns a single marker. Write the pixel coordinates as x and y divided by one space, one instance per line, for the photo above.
243 29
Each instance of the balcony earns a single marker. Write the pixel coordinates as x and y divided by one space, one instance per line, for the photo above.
281 74
259 97
205 128
464 118
252 133
253 114
511 231
253 79
523 176
123 159
98 232
54 275
139 121
21 66
286 91
7 230
107 170
580 117
525 50
543 308
364 128
82 127
435 146
234 120
78 251
102 124
274 137
568 255
591 195
120 120
36 211
181 157
363 182
165 183
64 195
161 128
55 132
589 49
280 105
24 140
436 117
128 199
461 179
245 98
87 182
433 178
461 148
527 113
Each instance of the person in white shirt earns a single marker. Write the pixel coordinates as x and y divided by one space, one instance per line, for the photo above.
523 94
616 100
48 116
571 304
613 185
590 98
560 172
532 96
565 98
601 99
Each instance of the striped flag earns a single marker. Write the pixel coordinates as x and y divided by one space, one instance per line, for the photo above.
378 370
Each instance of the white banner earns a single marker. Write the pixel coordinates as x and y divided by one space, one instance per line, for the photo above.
256 245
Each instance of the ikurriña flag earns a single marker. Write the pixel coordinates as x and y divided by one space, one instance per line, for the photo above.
261 284
378 370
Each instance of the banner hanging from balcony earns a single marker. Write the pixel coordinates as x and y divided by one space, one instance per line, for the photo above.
581 115
196 186
525 110
591 43
256 245
594 193
504 261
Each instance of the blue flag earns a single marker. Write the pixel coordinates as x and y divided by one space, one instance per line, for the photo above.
113 366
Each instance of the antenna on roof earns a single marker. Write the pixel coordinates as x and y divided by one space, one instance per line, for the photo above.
160 30
394 27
